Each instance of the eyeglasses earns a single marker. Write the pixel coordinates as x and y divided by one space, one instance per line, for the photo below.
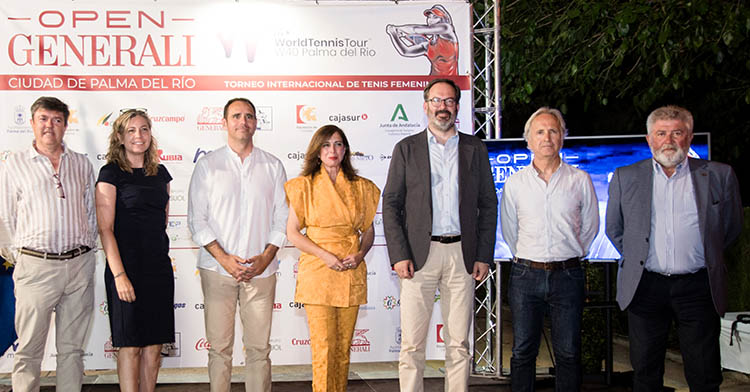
435 101
60 191
144 110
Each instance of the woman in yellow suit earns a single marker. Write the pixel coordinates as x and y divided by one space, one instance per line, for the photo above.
336 207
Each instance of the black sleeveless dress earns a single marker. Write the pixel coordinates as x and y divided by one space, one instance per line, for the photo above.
140 231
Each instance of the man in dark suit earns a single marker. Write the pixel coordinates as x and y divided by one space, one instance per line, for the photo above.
671 217
440 217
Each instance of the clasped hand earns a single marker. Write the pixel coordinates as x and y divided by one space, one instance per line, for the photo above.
351 261
242 270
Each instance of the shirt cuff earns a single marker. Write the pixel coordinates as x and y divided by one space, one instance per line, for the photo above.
277 238
204 236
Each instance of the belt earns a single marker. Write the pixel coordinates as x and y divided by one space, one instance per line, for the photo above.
676 276
445 239
75 252
572 262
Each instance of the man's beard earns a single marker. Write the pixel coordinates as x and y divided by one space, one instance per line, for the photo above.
669 160
443 125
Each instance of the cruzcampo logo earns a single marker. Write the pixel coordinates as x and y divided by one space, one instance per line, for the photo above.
399 114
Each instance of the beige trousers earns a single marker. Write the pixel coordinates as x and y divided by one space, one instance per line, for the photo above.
444 269
220 296
331 331
65 287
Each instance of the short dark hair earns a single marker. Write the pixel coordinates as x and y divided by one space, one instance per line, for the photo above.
442 80
233 100
51 103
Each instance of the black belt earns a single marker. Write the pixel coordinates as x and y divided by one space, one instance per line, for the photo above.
572 262
676 276
56 256
446 239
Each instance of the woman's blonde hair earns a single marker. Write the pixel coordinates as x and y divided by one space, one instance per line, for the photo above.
116 150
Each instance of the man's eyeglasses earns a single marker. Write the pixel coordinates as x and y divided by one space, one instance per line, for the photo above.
435 101
60 191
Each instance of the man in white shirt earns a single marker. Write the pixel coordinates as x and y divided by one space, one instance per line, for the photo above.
47 207
549 217
237 213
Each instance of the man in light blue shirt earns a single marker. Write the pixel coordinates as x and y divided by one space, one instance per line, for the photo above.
671 217
439 217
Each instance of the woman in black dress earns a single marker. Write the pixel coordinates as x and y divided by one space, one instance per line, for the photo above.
132 204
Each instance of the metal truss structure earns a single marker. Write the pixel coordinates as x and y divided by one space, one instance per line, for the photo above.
487 116
488 349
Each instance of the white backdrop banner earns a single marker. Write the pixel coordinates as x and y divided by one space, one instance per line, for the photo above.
360 65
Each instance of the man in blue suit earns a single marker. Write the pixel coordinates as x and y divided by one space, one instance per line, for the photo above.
671 217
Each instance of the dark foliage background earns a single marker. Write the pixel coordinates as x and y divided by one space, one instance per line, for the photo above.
606 64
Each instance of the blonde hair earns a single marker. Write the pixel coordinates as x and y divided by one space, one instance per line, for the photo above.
116 150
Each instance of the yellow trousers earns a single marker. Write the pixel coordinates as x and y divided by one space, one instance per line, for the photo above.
331 330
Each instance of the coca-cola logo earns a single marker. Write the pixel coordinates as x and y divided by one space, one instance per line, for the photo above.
202 344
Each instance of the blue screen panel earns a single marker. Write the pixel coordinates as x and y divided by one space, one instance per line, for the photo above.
598 156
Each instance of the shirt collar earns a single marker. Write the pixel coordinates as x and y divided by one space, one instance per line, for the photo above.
681 167
537 172
431 139
33 153
236 157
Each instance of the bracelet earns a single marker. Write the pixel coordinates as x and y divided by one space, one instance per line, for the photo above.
119 274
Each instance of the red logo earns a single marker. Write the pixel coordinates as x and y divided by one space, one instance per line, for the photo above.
300 342
360 343
306 114
168 157
210 118
440 333
109 350
202 344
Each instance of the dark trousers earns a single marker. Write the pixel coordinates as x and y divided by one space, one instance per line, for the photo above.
686 299
532 293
